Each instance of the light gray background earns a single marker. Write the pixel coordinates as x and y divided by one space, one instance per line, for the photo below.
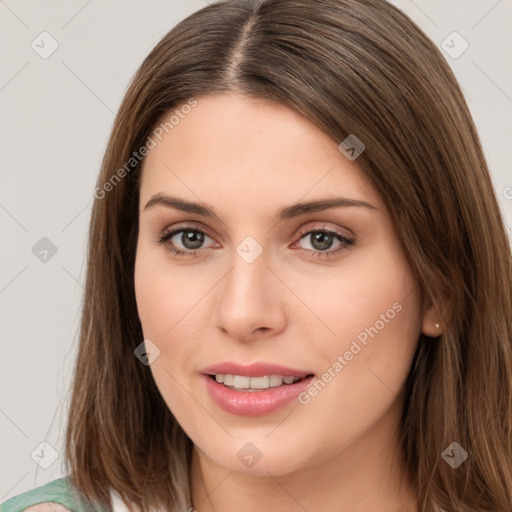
56 115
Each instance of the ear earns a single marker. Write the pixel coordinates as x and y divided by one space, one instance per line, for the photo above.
431 325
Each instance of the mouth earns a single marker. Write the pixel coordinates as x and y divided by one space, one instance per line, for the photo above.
261 383
255 389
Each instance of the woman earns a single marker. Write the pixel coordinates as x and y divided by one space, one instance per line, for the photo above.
298 294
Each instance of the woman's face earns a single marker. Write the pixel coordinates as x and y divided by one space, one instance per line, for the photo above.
266 289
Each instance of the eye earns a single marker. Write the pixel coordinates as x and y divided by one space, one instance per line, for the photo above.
191 239
321 242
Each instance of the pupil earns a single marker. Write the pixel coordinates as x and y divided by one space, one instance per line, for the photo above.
324 239
192 240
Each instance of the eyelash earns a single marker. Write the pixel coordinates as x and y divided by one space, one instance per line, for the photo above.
165 237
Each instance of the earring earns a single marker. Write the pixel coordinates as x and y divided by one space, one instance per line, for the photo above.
437 326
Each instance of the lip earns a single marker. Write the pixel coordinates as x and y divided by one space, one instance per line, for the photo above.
254 403
258 369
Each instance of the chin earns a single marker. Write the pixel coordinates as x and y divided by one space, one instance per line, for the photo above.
258 456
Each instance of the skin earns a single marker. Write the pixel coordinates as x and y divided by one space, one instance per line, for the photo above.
247 158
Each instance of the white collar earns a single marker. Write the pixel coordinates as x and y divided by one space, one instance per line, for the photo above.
118 504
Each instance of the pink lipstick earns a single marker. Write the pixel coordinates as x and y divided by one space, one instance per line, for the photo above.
255 389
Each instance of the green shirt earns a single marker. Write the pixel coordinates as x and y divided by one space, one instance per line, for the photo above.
57 491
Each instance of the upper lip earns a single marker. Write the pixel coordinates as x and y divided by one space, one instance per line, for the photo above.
258 369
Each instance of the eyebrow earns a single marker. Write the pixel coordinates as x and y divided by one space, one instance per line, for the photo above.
286 213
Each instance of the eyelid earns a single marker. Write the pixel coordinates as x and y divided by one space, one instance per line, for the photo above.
186 226
325 226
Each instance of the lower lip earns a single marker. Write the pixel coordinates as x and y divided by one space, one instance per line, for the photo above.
254 403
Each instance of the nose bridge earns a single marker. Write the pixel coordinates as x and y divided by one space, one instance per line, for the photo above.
248 300
247 283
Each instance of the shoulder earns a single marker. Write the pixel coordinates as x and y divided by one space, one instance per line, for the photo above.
55 496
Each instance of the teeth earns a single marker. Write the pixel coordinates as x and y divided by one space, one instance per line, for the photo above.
254 383
241 382
260 382
275 380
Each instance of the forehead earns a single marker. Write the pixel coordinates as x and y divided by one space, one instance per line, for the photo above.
231 149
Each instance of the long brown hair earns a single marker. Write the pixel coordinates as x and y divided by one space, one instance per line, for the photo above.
350 67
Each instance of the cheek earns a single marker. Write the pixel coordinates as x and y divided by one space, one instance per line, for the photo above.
374 304
375 313
372 295
171 307
167 307
164 299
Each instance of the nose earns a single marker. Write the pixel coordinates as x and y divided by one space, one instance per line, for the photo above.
250 301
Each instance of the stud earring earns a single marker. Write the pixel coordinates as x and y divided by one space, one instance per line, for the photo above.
437 326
